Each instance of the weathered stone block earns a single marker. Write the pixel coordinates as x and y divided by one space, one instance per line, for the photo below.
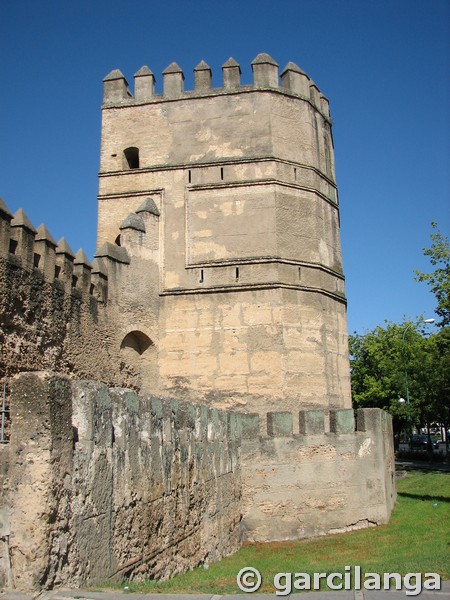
234 426
250 425
369 419
279 424
311 422
342 421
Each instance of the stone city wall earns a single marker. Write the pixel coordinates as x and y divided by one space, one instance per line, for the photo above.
104 484
218 279
318 481
52 305
59 312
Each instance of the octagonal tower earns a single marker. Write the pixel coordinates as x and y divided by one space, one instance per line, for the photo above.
235 275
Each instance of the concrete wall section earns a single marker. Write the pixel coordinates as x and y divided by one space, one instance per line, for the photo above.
316 482
104 484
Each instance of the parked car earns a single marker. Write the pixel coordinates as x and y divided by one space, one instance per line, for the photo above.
421 442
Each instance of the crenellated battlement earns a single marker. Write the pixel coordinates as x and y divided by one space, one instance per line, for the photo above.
33 249
281 424
291 81
56 307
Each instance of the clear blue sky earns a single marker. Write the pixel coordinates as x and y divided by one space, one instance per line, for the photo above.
384 64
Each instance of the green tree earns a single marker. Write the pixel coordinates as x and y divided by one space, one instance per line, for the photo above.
441 373
399 361
376 366
439 279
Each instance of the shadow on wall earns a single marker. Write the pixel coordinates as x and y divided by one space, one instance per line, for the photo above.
139 360
136 341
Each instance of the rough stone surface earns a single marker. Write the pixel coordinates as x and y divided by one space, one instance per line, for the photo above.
105 484
311 484
48 326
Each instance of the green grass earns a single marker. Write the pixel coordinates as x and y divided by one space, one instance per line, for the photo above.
416 540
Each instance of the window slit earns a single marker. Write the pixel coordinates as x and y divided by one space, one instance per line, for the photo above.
132 157
12 246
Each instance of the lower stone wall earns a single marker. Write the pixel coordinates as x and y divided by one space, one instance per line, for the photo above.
320 481
101 484
104 484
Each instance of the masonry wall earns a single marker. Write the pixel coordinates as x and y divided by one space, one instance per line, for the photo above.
104 484
44 327
255 351
61 313
52 306
328 478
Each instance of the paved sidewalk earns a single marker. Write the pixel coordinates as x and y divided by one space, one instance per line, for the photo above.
443 594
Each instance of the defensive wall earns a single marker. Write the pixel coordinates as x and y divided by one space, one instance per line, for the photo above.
55 306
334 474
103 484
217 283
51 306
80 456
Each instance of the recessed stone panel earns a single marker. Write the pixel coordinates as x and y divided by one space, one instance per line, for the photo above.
230 223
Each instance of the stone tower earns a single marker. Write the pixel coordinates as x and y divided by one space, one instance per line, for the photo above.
217 280
225 206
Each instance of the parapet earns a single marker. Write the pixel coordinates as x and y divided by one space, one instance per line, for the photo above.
35 250
313 422
292 81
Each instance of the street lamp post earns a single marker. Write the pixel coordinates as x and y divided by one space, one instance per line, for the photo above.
407 328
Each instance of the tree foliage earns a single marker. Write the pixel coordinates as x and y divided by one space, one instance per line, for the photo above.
399 361
439 279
